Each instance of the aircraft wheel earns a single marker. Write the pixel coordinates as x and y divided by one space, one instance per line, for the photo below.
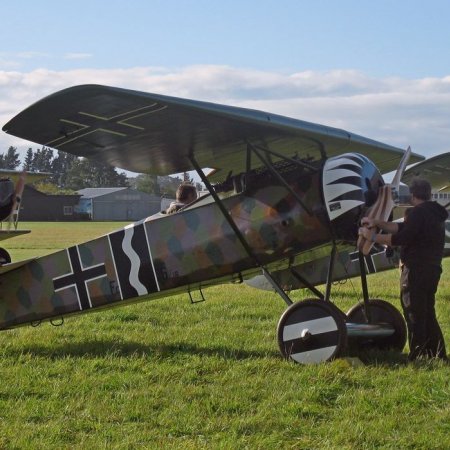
381 312
311 332
5 258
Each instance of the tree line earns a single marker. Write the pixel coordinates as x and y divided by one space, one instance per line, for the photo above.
68 172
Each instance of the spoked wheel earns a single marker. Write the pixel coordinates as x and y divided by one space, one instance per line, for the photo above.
5 258
311 332
381 312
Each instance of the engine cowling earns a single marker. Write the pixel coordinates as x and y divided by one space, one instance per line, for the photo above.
350 185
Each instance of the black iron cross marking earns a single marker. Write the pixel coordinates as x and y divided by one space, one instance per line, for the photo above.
84 124
78 278
368 259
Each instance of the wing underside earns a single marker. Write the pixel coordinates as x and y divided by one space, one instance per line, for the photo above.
436 170
152 133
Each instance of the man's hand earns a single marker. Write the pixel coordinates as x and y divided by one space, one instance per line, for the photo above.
368 222
366 233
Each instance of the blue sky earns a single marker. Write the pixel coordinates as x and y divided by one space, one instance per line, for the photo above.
381 69
383 38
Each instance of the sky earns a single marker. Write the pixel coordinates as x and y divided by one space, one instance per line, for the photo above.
380 69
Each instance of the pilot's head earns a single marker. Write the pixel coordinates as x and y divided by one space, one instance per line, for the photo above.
186 193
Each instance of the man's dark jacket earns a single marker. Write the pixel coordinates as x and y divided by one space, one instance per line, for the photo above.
422 235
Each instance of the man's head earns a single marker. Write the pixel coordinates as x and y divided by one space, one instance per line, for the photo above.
420 189
186 193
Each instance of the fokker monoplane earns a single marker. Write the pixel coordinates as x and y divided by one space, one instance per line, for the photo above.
282 193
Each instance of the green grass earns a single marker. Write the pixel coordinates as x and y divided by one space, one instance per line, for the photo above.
48 237
168 374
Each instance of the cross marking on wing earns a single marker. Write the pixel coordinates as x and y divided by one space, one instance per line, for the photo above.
88 123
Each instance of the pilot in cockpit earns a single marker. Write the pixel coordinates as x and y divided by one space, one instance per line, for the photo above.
186 193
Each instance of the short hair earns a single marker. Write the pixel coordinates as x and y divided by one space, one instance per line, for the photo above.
184 191
421 189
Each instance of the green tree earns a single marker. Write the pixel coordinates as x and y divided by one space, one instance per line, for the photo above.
52 189
148 183
169 185
88 173
42 160
61 166
28 162
10 160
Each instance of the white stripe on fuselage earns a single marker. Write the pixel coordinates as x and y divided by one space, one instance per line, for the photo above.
134 260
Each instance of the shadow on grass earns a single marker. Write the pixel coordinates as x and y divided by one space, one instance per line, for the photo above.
397 360
105 348
387 358
110 348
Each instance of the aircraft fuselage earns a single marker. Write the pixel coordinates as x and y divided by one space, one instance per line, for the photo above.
196 247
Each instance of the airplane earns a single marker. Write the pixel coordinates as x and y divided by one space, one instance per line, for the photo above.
12 183
282 192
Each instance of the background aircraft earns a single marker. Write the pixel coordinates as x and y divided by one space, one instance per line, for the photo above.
285 193
12 183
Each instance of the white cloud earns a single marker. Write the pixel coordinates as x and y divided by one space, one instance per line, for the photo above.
32 55
7 63
14 61
397 111
77 56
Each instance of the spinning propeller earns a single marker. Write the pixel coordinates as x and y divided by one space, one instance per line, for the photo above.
388 196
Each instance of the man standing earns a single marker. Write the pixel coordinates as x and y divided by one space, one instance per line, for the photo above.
422 239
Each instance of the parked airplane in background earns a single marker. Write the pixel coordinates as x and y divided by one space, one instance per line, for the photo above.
282 193
12 183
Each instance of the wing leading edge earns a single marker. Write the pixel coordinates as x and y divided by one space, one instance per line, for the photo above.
153 133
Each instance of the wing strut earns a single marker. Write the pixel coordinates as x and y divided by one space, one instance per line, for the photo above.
362 269
237 231
303 280
286 158
266 161
330 273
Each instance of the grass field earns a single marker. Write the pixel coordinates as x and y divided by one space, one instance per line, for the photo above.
168 374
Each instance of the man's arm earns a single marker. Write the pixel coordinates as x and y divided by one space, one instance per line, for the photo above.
387 227
370 233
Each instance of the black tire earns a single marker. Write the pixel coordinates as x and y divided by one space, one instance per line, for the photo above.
381 312
5 257
311 332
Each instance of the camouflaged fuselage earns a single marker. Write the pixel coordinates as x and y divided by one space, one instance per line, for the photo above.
167 254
